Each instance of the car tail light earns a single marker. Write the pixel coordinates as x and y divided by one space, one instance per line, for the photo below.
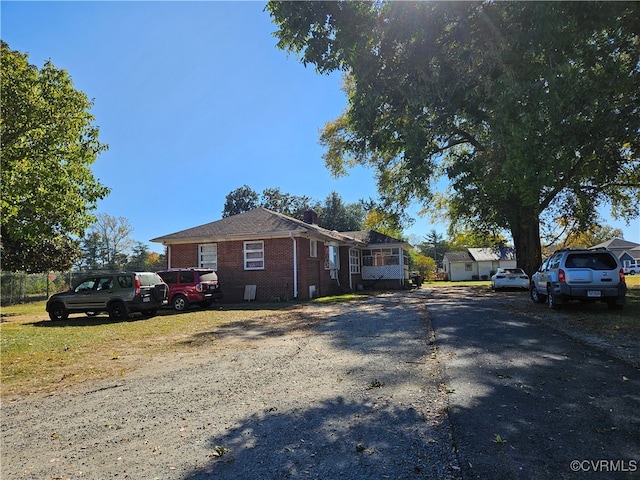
622 275
137 280
561 276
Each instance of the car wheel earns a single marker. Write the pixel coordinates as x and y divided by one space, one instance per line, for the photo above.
551 299
536 296
180 303
118 311
58 312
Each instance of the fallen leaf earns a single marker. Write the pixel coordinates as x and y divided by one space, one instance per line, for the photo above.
499 439
219 451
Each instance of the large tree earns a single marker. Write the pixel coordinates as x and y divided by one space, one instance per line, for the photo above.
48 144
292 205
334 214
242 199
108 243
529 108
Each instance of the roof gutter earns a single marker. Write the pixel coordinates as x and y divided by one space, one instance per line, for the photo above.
225 238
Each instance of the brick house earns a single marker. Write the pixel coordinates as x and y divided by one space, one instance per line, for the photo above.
286 258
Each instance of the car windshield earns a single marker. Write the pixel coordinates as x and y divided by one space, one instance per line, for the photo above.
517 271
208 276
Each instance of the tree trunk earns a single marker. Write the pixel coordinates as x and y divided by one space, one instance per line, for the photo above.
526 239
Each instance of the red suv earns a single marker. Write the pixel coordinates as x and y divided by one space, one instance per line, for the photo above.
189 286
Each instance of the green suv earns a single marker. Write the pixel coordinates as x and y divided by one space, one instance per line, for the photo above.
118 294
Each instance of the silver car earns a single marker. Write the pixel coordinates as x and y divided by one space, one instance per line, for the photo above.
587 275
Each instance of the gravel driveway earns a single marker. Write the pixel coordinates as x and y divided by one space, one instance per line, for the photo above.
348 392
530 402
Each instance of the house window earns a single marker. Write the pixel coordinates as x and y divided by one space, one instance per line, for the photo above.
254 255
208 256
332 260
468 267
354 260
313 248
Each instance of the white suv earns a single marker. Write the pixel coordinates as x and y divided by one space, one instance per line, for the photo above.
586 275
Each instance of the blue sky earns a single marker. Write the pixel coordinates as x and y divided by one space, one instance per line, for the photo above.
194 100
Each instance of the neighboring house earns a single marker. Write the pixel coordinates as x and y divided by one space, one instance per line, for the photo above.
477 263
287 258
627 252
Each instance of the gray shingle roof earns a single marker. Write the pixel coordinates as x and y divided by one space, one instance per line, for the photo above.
459 256
617 243
257 222
371 237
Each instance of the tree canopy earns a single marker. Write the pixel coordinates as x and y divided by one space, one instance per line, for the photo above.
336 215
333 214
242 199
529 109
108 242
48 144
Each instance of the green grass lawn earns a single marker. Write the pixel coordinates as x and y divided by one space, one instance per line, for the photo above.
39 355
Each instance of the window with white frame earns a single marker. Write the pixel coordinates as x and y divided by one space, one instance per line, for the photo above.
332 257
380 257
208 255
254 255
354 260
313 248
332 260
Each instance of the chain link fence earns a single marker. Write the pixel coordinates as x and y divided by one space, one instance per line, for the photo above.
30 287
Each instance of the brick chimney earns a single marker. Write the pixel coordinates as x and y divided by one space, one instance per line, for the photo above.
310 217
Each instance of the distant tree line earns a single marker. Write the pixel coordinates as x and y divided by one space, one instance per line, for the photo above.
333 213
